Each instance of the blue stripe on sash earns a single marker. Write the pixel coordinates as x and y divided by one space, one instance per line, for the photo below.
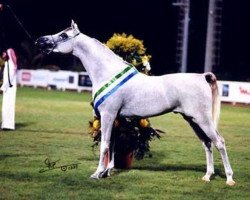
101 100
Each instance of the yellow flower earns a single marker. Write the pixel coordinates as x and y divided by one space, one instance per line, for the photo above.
145 59
144 123
134 62
96 124
125 43
131 50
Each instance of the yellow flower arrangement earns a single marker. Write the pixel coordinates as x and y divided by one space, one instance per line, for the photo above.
130 49
124 43
130 135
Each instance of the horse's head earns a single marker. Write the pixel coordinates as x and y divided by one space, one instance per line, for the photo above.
60 42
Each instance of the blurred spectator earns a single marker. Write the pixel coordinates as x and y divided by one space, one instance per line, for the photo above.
8 89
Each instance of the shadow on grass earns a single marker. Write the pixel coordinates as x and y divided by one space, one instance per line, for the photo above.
4 156
17 176
196 168
19 127
156 164
51 131
22 125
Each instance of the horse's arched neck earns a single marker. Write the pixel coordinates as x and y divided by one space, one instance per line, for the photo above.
99 61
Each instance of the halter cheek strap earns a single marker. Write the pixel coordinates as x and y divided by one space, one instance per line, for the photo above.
112 86
58 41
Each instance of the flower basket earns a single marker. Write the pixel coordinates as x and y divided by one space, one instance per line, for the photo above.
131 136
122 160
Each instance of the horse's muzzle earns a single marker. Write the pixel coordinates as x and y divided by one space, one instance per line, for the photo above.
45 44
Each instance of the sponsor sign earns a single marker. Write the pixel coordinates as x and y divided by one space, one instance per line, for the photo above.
63 80
26 76
235 92
84 82
60 80
35 78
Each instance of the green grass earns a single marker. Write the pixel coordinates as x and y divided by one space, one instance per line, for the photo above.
54 125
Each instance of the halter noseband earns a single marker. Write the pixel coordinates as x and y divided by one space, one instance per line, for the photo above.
63 37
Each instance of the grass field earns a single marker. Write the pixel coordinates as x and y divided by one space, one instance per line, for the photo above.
54 125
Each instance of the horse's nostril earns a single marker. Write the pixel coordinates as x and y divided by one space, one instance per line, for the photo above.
42 40
45 44
50 45
45 39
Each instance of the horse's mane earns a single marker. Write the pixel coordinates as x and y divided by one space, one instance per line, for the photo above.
109 51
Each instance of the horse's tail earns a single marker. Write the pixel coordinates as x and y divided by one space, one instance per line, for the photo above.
216 104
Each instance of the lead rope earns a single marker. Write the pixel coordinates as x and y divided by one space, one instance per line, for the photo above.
20 23
25 31
8 68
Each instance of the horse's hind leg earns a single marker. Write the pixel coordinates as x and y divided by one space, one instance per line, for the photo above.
206 141
207 132
210 161
219 142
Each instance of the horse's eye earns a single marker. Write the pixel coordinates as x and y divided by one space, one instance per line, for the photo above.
64 36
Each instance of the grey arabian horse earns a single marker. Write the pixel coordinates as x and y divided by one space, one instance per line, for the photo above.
119 89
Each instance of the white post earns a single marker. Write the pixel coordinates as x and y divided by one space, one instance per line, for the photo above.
210 43
185 38
182 34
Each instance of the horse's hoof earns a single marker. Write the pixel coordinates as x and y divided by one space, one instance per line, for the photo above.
206 178
106 173
109 173
231 183
95 176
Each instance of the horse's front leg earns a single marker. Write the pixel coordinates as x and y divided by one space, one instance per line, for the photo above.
107 120
111 160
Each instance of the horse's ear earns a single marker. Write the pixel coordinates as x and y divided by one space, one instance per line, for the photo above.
73 24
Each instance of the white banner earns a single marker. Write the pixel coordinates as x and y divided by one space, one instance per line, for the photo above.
235 92
60 80
35 78
63 80
230 91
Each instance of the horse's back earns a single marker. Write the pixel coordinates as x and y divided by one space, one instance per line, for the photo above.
193 93
154 95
